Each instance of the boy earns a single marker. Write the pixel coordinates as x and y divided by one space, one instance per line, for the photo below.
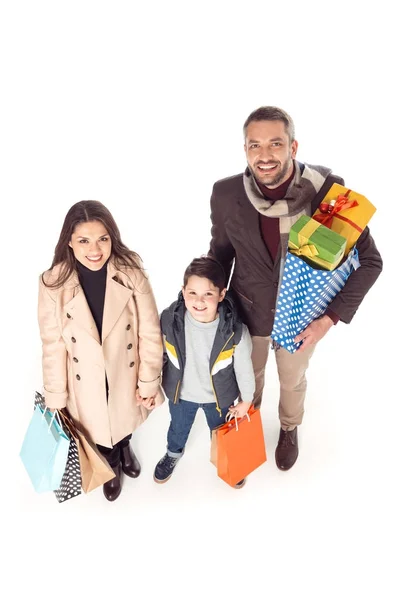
207 359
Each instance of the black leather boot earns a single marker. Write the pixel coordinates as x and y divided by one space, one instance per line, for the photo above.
112 488
129 462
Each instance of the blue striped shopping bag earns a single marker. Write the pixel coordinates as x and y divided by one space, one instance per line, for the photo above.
305 294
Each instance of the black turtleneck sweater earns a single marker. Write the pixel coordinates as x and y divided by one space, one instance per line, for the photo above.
94 286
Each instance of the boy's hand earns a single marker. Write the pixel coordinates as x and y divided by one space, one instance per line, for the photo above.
146 402
240 410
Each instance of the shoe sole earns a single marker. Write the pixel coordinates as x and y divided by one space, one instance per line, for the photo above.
239 487
162 480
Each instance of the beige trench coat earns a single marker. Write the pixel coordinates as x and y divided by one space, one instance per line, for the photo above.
75 362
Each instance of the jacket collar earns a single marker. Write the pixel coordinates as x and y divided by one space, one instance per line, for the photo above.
116 297
227 313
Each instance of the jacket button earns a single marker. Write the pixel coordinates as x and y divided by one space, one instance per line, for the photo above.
75 359
129 346
132 364
78 377
73 340
275 284
272 310
69 316
128 327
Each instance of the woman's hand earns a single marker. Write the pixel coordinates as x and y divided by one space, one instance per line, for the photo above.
240 409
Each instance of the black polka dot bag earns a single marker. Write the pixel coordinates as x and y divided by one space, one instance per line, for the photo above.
71 483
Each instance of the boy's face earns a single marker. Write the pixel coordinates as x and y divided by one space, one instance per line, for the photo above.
202 298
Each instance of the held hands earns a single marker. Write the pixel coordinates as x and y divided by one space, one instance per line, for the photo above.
239 410
314 332
148 403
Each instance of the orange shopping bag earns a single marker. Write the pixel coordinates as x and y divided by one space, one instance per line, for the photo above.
240 447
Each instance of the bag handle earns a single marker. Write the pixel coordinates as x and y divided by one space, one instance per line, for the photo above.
68 425
230 416
54 415
41 403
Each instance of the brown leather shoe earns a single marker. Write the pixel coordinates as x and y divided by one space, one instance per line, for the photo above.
112 488
129 462
287 450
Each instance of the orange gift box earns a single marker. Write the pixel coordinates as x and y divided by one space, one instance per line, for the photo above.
345 212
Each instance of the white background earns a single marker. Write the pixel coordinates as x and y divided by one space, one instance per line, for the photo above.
141 106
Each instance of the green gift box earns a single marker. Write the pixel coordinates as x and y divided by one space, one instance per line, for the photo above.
316 243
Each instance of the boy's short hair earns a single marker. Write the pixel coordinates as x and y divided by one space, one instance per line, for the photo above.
207 267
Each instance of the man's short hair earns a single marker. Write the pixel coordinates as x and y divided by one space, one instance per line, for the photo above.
271 113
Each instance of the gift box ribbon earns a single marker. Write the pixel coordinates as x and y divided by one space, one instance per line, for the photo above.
304 248
330 210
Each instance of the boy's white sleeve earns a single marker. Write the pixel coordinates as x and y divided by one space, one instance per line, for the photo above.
243 367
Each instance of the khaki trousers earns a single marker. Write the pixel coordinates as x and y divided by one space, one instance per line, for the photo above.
292 378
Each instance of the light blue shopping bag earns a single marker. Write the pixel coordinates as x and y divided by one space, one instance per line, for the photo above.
305 294
44 450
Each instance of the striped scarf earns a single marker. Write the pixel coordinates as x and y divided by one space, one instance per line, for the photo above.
306 183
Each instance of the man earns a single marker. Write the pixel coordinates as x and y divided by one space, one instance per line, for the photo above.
251 216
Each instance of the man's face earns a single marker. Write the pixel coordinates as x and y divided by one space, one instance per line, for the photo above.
269 152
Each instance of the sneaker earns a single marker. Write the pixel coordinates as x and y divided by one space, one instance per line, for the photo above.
164 468
240 484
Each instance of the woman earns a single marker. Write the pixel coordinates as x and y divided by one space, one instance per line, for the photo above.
102 347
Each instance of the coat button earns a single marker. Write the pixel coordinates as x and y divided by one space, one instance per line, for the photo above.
132 364
75 359
272 310
129 346
69 316
128 327
73 340
275 284
78 377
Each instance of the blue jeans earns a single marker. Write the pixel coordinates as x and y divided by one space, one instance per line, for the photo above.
182 417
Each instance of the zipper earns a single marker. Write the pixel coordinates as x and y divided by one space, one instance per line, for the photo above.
212 383
180 361
176 392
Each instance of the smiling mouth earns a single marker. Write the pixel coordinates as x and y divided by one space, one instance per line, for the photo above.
266 168
199 309
95 258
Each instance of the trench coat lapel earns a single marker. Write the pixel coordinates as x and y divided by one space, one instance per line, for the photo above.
79 310
117 296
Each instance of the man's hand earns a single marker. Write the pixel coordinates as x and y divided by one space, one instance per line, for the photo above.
314 332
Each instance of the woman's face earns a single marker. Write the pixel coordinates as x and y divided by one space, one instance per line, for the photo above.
91 244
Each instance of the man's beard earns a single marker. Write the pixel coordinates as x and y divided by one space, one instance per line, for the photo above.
278 178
